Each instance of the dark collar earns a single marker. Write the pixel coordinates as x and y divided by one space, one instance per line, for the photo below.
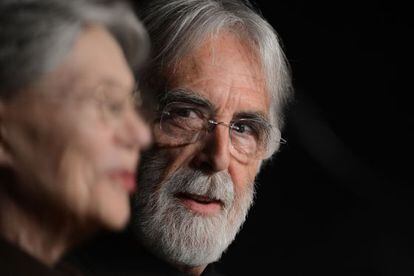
122 254
14 261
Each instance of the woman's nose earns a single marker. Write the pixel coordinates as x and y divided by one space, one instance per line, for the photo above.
134 133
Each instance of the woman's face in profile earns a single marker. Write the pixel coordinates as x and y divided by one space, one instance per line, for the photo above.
74 137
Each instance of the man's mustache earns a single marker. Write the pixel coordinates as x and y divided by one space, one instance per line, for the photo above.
215 187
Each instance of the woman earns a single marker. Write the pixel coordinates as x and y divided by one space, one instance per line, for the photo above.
69 134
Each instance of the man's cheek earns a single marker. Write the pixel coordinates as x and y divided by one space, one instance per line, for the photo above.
172 160
241 175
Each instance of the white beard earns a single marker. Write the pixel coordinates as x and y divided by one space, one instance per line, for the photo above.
174 233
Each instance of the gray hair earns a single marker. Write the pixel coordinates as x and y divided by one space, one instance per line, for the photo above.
178 26
35 35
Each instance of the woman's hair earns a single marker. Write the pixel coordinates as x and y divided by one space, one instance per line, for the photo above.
35 35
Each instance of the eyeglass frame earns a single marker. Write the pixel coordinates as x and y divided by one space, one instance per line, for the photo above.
209 121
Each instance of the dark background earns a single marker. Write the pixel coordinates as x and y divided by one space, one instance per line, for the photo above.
337 199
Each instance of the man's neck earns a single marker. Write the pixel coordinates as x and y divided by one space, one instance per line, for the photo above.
193 271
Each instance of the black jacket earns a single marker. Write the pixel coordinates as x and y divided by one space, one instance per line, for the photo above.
121 254
16 262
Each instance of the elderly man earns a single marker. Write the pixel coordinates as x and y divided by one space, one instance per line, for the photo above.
222 82
215 88
69 132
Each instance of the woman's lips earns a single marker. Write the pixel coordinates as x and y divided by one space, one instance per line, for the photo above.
200 204
126 179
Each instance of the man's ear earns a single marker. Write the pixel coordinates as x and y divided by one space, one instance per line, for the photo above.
5 154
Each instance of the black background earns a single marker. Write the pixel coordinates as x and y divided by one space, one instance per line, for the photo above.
337 199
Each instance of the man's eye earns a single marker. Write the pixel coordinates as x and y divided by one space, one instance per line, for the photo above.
243 128
185 113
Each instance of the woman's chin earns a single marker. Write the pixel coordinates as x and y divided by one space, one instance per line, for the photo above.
115 216
110 206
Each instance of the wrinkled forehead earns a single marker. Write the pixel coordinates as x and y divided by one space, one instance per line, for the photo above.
87 66
225 71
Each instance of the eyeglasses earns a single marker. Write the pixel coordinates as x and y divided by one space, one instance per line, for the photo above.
113 101
110 100
184 123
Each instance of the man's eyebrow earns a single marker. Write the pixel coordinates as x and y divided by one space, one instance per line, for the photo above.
254 115
189 96
186 96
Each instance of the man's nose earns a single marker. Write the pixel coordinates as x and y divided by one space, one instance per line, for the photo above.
214 154
134 133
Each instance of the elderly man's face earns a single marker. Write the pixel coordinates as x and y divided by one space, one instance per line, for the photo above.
197 185
74 136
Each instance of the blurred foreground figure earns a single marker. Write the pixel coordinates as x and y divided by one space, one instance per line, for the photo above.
216 86
69 133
